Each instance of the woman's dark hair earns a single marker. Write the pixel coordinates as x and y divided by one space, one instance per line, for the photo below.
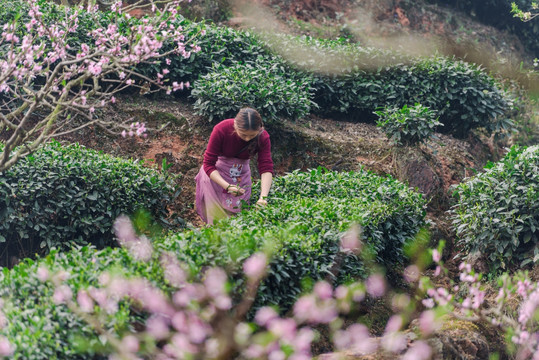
249 119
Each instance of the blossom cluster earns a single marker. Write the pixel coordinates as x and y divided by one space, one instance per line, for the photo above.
42 68
201 319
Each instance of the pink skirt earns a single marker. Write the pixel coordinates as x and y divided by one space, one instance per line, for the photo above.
212 201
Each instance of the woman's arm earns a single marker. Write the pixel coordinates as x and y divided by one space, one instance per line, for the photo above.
265 184
232 189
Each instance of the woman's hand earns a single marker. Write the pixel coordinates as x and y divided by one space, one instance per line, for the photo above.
262 202
235 190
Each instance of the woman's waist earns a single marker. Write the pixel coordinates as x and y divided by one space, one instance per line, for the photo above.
232 160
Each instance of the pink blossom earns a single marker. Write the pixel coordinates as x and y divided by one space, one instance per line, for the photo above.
341 292
303 340
356 338
284 328
529 307
157 327
428 303
255 265
215 281
428 323
394 342
42 274
86 304
222 302
436 256
305 308
176 86
198 331
62 294
419 350
130 343
376 286
254 351
124 229
6 349
264 315
173 272
179 322
411 273
323 290
393 324
350 241
141 249
277 355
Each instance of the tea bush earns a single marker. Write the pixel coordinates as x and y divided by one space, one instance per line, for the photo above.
62 195
265 86
40 329
409 125
309 214
347 79
497 212
302 227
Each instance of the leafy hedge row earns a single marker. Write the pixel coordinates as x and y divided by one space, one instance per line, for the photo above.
313 210
365 79
62 195
308 214
345 79
38 328
354 82
497 212
264 86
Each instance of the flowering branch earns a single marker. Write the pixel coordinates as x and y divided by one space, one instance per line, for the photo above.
46 81
525 15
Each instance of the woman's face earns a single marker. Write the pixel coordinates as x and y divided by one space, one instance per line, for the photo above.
247 135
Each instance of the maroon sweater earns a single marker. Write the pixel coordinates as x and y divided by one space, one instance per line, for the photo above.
225 142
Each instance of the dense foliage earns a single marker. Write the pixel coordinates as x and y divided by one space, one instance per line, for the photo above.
497 212
340 78
408 126
301 229
65 195
309 214
40 329
463 95
265 86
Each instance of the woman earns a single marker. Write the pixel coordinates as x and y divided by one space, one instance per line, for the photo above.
225 177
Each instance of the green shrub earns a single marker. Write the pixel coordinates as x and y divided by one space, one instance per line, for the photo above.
308 215
302 226
497 212
62 195
409 125
342 78
355 81
220 46
263 85
39 329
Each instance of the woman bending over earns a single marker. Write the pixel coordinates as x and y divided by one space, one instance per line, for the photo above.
225 177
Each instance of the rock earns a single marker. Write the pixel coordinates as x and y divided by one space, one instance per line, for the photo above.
456 339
